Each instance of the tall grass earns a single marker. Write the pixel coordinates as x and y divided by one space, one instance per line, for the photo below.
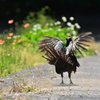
13 59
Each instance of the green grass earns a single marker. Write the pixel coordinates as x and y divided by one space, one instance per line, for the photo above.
22 57
23 53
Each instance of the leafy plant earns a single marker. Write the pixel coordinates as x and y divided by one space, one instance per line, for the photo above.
19 51
15 55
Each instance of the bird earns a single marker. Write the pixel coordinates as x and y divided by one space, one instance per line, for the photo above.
64 57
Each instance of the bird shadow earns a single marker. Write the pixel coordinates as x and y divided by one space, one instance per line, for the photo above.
66 84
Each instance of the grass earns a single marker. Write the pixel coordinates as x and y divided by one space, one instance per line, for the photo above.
21 57
19 50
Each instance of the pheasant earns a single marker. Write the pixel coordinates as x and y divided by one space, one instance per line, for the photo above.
63 58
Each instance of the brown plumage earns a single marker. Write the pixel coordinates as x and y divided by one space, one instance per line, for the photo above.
63 57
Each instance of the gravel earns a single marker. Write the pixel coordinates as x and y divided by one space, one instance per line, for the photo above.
43 77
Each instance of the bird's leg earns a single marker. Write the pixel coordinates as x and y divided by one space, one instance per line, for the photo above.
69 75
62 78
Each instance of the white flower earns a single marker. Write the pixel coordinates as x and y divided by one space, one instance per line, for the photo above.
34 29
45 30
77 26
71 18
64 19
72 27
68 34
15 36
69 24
55 23
74 37
34 26
58 22
50 28
51 24
47 24
38 24
38 27
74 32
59 29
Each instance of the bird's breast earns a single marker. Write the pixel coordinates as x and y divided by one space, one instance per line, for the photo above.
59 46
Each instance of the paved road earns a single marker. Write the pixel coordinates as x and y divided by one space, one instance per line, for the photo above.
86 82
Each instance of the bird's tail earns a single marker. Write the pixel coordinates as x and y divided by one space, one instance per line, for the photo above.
53 57
50 55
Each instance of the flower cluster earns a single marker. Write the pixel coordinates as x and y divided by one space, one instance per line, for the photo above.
26 25
64 19
36 27
11 36
10 21
2 41
69 24
20 40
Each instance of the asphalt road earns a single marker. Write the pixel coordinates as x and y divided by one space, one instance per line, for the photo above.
86 82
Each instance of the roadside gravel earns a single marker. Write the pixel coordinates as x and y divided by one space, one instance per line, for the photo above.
43 77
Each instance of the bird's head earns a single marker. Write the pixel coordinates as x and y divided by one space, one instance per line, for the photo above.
69 38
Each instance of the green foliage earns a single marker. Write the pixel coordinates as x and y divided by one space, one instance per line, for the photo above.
34 18
40 17
15 55
20 51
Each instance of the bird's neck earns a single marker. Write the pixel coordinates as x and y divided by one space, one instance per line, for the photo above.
67 44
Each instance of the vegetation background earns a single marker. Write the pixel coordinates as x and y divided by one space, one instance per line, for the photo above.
30 19
86 12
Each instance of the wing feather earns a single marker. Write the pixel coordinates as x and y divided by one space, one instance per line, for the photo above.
78 50
54 46
81 42
55 43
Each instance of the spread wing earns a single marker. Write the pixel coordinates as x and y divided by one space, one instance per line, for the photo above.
80 42
56 44
53 43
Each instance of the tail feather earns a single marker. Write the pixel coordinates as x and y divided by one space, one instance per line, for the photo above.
82 40
85 40
83 44
81 47
52 52
51 55
85 34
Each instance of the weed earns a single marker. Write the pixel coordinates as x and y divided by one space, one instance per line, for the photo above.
30 89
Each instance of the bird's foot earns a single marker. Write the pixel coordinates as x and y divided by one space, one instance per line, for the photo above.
62 83
71 83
